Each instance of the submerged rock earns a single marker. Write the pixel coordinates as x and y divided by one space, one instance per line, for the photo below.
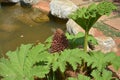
40 18
25 18
62 8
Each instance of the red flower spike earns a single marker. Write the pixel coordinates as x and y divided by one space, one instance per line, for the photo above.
59 42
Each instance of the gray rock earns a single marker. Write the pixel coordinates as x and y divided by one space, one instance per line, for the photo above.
106 44
6 1
31 1
62 8
25 1
28 3
73 27
14 1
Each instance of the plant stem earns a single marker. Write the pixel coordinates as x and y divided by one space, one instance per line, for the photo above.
85 49
86 41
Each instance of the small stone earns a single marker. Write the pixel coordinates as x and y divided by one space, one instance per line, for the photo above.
21 36
115 23
39 17
31 25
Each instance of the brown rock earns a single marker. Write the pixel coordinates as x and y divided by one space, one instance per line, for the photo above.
96 33
117 41
43 6
115 23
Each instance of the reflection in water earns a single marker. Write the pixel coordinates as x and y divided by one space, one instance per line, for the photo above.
17 27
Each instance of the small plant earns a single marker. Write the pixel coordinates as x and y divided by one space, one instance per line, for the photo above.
86 17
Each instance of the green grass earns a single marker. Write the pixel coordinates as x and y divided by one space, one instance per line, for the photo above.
107 30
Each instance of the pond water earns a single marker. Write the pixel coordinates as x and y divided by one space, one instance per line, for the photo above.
17 27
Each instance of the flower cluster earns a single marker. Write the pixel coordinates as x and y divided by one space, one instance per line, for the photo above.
59 42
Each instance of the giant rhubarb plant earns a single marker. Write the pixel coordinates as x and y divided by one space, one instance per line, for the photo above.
35 62
86 17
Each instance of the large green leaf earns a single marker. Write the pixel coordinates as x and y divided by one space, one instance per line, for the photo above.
40 71
71 56
86 17
78 40
105 8
105 75
36 55
80 77
24 63
99 60
116 62
48 41
13 67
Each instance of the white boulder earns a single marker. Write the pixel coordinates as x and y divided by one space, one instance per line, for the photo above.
62 8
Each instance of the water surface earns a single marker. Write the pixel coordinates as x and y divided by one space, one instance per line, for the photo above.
17 27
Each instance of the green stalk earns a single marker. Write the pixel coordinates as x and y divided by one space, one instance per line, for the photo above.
86 41
85 49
